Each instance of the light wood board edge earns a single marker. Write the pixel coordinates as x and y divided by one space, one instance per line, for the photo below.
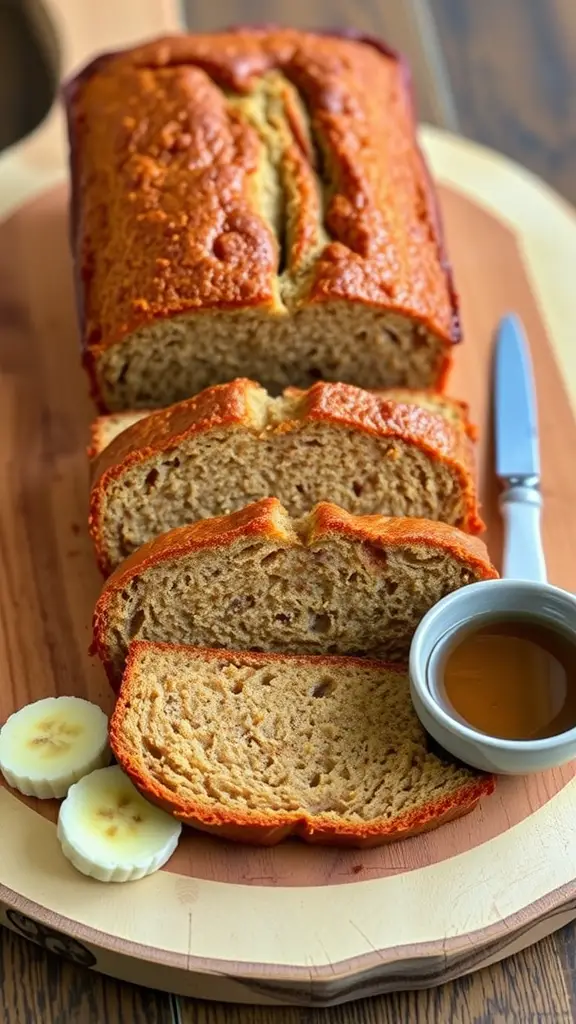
320 928
272 984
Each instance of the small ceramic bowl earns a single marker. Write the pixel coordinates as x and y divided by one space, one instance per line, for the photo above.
480 603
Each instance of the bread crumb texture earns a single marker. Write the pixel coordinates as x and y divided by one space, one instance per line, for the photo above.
329 748
371 453
328 583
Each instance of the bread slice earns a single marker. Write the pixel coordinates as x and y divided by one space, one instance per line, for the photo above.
105 428
329 583
234 444
109 425
258 747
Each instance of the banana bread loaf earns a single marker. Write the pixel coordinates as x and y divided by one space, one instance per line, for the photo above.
257 747
253 202
329 583
233 444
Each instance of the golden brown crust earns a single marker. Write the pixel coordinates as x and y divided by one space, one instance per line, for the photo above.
108 426
167 161
389 531
272 828
451 408
164 429
268 520
229 405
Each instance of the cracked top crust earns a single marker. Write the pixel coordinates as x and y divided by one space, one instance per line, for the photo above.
255 168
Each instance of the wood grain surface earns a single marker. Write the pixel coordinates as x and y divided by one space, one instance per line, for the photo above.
528 989
40 988
512 71
504 74
37 987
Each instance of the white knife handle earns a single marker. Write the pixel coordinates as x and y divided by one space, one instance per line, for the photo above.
523 556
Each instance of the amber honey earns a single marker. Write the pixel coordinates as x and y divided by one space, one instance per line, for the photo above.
514 679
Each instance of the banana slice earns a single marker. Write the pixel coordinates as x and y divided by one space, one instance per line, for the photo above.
110 832
48 745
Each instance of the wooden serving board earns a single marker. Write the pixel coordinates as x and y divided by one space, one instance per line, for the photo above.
293 924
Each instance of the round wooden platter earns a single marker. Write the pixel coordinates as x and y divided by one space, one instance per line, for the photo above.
293 924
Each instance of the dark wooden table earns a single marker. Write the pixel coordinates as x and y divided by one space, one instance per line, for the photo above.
502 72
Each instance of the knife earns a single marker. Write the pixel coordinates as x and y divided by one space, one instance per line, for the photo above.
517 453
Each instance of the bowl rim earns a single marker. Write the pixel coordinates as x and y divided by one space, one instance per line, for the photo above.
419 669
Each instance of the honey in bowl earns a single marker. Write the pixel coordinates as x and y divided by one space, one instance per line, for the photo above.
514 679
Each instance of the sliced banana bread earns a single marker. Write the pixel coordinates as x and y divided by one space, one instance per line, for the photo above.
234 444
257 747
109 425
328 583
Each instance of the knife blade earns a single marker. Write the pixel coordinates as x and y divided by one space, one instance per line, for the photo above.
515 415
517 453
